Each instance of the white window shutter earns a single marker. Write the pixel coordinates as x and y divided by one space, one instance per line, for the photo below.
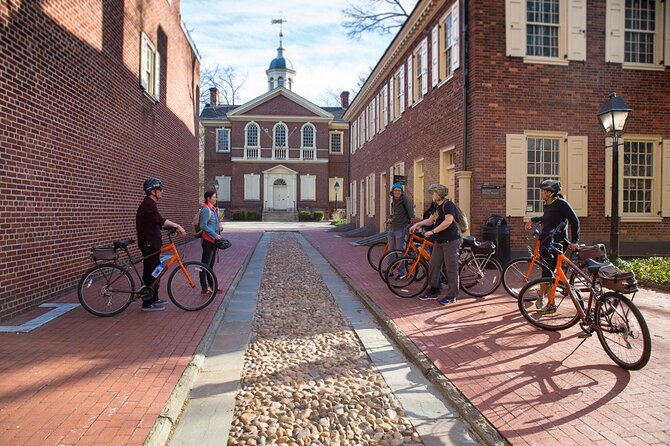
223 188
665 172
666 54
143 62
354 200
516 170
401 87
577 30
307 187
252 187
515 24
372 193
158 76
391 100
434 55
410 91
386 104
424 66
577 174
614 31
455 37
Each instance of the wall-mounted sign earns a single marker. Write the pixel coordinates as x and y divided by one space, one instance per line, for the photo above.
491 191
402 179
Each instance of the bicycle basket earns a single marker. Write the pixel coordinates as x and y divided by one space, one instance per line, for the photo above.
595 252
103 254
614 279
484 248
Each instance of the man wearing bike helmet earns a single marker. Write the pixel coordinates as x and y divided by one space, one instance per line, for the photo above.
149 223
556 211
402 213
448 240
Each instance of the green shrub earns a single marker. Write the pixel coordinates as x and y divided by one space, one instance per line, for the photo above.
650 270
339 221
318 215
238 216
251 216
304 216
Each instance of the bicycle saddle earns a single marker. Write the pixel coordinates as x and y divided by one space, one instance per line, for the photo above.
123 244
471 242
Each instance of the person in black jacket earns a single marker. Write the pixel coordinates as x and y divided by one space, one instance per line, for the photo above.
556 211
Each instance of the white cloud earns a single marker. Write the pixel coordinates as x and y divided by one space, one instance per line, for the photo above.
239 34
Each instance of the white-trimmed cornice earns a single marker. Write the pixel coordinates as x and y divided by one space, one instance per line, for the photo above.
423 12
277 92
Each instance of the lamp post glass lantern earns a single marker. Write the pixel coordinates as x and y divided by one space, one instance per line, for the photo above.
336 186
613 116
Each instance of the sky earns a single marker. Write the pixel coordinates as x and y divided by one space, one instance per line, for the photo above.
238 33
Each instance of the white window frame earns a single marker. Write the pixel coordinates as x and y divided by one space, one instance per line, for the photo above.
150 68
354 198
302 136
571 32
226 147
223 190
330 142
274 136
252 187
246 135
370 195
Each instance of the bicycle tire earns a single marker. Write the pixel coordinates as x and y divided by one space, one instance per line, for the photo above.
387 259
514 274
410 284
480 276
621 329
375 253
192 298
566 314
96 290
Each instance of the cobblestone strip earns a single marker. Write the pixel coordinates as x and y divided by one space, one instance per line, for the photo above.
306 377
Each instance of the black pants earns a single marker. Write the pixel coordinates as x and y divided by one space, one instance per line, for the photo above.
150 265
208 254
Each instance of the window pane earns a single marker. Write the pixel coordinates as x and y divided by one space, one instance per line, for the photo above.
640 28
543 164
638 176
542 25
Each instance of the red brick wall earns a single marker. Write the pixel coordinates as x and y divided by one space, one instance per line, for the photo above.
78 136
507 96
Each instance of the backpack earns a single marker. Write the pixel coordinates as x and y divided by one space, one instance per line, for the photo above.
196 221
460 218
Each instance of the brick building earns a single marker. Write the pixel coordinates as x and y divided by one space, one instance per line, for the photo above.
492 97
278 153
94 98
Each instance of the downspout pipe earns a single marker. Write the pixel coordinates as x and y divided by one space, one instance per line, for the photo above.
465 83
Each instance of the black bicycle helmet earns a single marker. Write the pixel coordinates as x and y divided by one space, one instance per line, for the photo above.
553 186
223 243
152 184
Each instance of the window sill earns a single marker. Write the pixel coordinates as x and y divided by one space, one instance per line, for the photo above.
641 219
222 151
444 81
546 60
149 96
417 102
642 66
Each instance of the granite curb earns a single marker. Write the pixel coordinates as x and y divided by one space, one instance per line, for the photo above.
162 429
479 424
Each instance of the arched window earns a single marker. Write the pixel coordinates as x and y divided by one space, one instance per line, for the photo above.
280 81
308 136
251 135
280 132
279 182
271 83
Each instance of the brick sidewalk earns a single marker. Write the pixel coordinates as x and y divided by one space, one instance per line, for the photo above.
82 379
525 380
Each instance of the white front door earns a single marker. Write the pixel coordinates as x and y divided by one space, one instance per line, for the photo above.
280 195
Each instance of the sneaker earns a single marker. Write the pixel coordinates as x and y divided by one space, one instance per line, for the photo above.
447 300
206 291
430 294
153 307
584 334
539 302
547 309
160 302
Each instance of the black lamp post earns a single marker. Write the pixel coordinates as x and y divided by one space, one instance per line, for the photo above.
336 186
613 116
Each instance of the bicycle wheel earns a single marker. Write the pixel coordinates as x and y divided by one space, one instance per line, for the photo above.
106 290
410 276
188 295
622 331
389 258
566 314
480 276
375 253
518 272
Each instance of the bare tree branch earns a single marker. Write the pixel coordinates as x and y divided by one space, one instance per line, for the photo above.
382 16
226 79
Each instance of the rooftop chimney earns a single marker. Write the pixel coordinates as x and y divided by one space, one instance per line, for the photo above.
344 97
213 97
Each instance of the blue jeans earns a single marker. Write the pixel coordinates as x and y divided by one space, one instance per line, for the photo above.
396 240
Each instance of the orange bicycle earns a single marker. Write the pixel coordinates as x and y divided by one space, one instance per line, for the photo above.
107 288
522 270
412 249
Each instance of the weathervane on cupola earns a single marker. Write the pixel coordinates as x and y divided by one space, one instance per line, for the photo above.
280 73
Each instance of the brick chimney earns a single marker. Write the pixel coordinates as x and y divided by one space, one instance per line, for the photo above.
344 97
213 96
